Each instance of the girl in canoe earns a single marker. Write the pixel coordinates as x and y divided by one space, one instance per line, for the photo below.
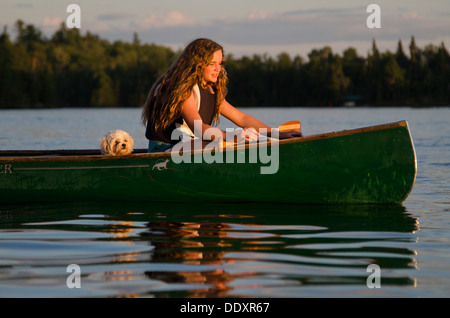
189 99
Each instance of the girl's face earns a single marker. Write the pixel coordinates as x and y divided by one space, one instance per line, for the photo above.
212 70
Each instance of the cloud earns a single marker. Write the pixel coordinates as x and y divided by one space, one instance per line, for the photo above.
167 20
328 26
343 27
260 15
52 21
99 27
408 15
116 16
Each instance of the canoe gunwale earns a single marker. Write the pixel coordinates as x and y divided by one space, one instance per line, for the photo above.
8 156
346 132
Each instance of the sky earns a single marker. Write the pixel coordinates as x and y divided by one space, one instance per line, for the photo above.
245 27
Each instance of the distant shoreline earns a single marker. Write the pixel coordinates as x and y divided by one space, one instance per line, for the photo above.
76 70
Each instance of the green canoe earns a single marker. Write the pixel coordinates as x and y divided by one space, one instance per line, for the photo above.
371 165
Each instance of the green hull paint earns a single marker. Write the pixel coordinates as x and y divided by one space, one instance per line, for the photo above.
373 165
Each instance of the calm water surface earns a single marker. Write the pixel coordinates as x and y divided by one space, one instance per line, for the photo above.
230 250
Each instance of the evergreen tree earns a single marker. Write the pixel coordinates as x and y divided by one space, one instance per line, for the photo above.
374 76
7 92
83 70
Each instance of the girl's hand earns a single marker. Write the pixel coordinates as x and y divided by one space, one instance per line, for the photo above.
242 135
250 134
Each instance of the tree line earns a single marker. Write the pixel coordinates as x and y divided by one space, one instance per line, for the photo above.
74 70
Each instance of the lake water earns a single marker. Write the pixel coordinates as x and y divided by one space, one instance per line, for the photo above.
133 249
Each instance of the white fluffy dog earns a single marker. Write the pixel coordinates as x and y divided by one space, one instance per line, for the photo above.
116 143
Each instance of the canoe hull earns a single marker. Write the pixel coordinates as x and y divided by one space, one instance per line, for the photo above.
373 165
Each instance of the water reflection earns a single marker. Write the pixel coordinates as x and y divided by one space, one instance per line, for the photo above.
306 245
167 250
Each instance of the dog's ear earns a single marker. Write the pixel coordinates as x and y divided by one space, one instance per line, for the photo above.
104 146
131 141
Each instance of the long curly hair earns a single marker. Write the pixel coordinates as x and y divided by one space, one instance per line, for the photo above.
168 93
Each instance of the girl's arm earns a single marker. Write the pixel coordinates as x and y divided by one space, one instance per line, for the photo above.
244 120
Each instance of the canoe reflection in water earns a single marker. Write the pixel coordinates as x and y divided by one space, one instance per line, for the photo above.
284 246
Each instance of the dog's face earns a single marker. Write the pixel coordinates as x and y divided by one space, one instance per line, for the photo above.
116 143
